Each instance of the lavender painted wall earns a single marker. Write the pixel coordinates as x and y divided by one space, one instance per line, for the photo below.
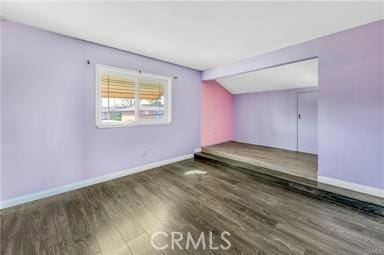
267 118
351 112
49 136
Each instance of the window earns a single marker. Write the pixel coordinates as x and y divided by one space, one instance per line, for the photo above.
129 98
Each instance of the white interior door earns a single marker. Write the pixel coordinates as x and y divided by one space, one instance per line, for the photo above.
307 122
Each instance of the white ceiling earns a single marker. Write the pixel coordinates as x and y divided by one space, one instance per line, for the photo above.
290 76
199 35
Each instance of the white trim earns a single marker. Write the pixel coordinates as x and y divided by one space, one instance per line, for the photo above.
88 182
197 150
352 186
132 124
134 75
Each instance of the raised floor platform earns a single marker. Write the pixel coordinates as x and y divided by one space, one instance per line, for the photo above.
240 156
284 162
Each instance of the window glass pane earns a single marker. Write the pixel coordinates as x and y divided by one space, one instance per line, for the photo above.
151 99
131 98
118 98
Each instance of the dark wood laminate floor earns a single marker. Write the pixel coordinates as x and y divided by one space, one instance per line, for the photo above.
303 165
118 217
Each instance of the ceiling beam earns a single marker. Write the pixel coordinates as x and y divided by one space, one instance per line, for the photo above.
303 51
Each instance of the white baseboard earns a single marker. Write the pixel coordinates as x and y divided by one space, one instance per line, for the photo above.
88 182
197 150
352 186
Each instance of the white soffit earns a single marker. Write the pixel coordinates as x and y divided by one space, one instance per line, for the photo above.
290 76
200 35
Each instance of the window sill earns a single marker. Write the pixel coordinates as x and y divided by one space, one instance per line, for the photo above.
135 124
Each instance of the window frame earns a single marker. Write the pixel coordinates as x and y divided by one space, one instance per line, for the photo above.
100 69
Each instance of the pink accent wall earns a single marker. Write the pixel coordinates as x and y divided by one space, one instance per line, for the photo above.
216 113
